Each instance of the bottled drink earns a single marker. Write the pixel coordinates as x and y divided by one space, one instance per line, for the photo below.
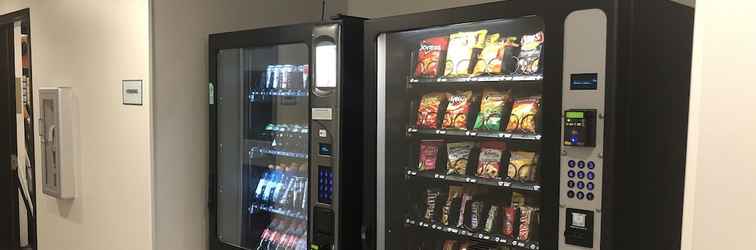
267 235
272 184
261 186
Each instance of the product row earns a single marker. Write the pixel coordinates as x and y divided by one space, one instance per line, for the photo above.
284 234
475 53
457 108
456 245
285 76
521 165
470 209
283 189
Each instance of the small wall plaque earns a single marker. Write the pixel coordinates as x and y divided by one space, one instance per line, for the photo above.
132 92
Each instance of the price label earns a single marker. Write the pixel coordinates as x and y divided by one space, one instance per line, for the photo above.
442 177
473 180
536 188
474 133
521 244
487 237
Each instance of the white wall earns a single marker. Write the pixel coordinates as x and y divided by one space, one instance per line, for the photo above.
91 45
719 199
382 8
181 29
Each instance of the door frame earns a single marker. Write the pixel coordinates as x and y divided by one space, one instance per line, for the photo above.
6 149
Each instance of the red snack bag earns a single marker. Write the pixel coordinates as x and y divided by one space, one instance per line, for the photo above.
456 111
429 56
428 154
489 162
509 219
427 112
526 215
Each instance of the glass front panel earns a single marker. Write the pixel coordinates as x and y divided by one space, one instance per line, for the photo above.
463 136
263 135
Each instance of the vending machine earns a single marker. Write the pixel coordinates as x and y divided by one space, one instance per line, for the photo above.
527 125
285 130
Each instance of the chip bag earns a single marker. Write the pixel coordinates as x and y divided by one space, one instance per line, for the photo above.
457 109
427 112
428 154
523 117
489 162
429 56
509 55
522 166
490 58
459 155
491 110
462 48
529 60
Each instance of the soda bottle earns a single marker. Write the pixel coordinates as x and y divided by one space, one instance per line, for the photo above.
267 234
261 185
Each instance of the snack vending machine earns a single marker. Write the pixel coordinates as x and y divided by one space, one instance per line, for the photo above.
284 165
527 125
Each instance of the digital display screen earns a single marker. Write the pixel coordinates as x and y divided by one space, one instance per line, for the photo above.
584 81
575 115
325 149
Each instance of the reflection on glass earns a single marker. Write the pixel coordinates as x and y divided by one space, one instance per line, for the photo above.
263 130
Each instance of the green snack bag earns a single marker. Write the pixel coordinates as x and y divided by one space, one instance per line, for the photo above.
491 110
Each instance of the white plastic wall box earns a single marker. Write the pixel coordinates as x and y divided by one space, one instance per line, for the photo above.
56 132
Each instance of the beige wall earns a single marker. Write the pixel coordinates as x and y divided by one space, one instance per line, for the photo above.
373 8
720 200
91 45
181 29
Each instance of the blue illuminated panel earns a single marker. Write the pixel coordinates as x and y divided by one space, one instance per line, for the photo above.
325 185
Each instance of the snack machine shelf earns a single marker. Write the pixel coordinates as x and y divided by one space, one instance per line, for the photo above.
493 238
255 208
277 92
254 151
514 185
478 134
472 79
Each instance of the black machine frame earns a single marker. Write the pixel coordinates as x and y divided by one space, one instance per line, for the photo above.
637 30
350 77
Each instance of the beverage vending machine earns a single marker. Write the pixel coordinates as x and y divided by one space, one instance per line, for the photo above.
285 158
527 125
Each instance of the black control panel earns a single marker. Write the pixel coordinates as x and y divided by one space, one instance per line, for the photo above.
580 127
579 230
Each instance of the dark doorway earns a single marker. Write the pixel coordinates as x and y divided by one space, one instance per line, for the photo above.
17 172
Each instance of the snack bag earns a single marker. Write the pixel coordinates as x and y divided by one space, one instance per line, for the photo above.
455 195
509 220
476 215
489 61
491 110
489 162
528 63
427 112
449 244
430 203
525 221
493 212
523 117
522 166
428 154
459 155
429 56
456 111
462 47
509 55
466 198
